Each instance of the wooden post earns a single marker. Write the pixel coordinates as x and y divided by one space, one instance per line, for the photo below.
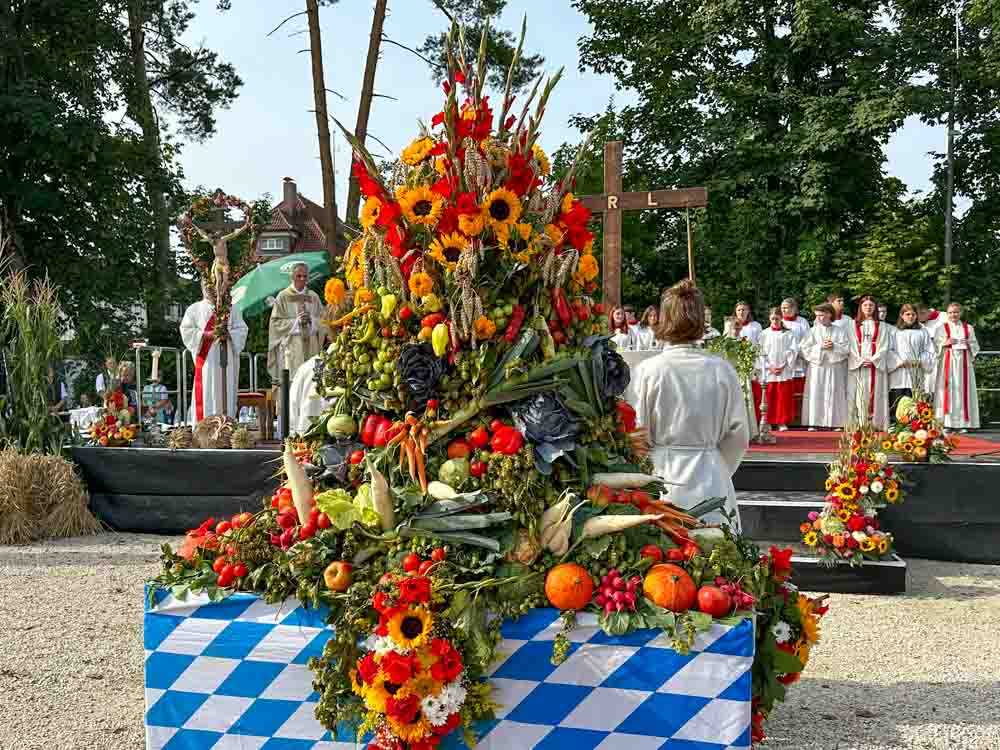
612 224
687 216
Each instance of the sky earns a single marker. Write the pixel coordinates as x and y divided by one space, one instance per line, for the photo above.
270 131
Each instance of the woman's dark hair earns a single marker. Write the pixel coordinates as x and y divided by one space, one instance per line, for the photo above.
682 314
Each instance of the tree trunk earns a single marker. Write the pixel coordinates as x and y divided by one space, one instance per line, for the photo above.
365 106
142 112
322 126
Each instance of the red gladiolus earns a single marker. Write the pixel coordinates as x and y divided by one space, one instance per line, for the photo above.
626 416
442 187
466 204
448 222
388 214
855 523
449 663
781 562
382 602
437 119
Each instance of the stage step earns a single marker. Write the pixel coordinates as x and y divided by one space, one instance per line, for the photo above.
776 515
810 574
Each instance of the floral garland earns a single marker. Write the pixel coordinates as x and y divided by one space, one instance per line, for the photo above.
859 483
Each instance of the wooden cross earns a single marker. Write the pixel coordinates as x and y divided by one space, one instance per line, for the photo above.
613 201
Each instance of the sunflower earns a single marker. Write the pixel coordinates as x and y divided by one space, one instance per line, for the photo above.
515 238
370 212
415 731
892 494
471 224
421 205
484 328
829 484
802 649
588 267
883 545
555 234
354 265
421 283
447 249
887 445
441 165
376 694
501 209
334 292
423 685
810 539
907 447
810 628
866 441
867 544
847 491
844 515
417 151
544 166
411 627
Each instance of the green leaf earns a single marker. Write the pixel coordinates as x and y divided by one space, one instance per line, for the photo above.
786 663
700 620
595 547
339 507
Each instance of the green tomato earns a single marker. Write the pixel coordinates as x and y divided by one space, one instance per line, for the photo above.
508 309
377 365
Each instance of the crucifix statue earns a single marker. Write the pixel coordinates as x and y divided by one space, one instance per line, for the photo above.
613 201
219 240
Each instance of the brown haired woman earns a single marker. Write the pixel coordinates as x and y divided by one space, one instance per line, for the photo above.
911 359
619 330
867 363
644 334
692 404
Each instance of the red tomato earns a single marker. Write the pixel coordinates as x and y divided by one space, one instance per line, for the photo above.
690 550
307 531
432 404
438 554
274 501
286 520
459 449
478 468
479 437
714 601
323 521
314 515
559 337
405 313
675 554
497 424
219 564
411 562
424 567
285 492
357 457
239 570
652 551
225 579
227 570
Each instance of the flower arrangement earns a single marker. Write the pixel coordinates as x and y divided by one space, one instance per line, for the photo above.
860 481
917 434
115 428
478 459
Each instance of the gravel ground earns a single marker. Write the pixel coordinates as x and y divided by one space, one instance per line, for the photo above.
914 671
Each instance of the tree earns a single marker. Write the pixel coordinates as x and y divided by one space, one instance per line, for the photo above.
475 16
779 110
322 121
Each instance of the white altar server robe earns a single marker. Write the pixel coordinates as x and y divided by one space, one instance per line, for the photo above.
206 396
800 328
911 345
643 339
861 403
692 404
956 377
824 403
304 403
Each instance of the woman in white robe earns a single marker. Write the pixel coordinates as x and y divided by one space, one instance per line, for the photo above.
825 350
868 387
956 400
644 335
911 359
198 335
620 334
692 404
304 403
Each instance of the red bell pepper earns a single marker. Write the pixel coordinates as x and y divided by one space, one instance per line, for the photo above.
507 441
561 306
381 429
429 321
368 429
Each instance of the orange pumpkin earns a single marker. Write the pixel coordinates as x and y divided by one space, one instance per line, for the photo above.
670 586
569 586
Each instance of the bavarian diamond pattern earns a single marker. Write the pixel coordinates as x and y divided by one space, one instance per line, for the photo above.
232 676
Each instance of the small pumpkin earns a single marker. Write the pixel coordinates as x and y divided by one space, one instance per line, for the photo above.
569 586
669 586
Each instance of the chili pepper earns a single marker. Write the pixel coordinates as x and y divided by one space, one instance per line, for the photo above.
429 321
388 305
561 307
514 326
507 441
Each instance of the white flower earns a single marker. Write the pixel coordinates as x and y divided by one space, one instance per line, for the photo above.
438 708
453 695
859 536
877 487
863 489
790 587
881 458
938 443
434 710
782 631
920 434
382 645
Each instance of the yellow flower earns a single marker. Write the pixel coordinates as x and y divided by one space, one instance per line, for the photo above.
810 539
887 445
918 441
588 267
847 491
802 650
421 205
810 628
334 292
883 545
867 544
354 264
423 685
484 328
411 627
838 540
907 447
554 233
370 211
866 441
588 247
829 484
414 732
421 283
375 695
363 296
417 151
544 166
844 515
447 248
892 494
441 165
471 224
567 203
501 209
920 452
515 238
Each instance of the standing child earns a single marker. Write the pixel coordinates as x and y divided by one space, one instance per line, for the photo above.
799 327
779 350
956 399
618 325
743 326
912 357
840 317
644 334
825 349
868 388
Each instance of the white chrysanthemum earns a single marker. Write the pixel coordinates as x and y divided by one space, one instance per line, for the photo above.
453 696
790 587
920 434
877 487
863 489
881 458
782 631
382 644
938 443
434 710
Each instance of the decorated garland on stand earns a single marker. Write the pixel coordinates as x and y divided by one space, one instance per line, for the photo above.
478 460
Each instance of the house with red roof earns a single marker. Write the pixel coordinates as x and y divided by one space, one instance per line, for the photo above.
296 226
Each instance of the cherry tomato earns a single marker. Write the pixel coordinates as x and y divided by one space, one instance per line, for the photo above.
307 531
652 551
479 437
323 521
286 520
227 570
357 457
284 503
239 570
285 492
225 579
405 313
411 562
675 554
438 554
424 567
219 564
497 424
432 404
222 527
478 468
314 515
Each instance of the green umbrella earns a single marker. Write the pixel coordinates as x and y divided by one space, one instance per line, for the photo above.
252 291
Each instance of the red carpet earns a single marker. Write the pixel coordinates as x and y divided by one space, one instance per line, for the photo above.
803 441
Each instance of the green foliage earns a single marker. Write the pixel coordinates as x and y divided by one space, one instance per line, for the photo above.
475 16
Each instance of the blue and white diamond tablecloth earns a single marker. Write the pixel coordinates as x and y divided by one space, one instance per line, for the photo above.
233 676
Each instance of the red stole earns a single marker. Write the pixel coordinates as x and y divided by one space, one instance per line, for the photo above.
871 387
207 339
965 372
